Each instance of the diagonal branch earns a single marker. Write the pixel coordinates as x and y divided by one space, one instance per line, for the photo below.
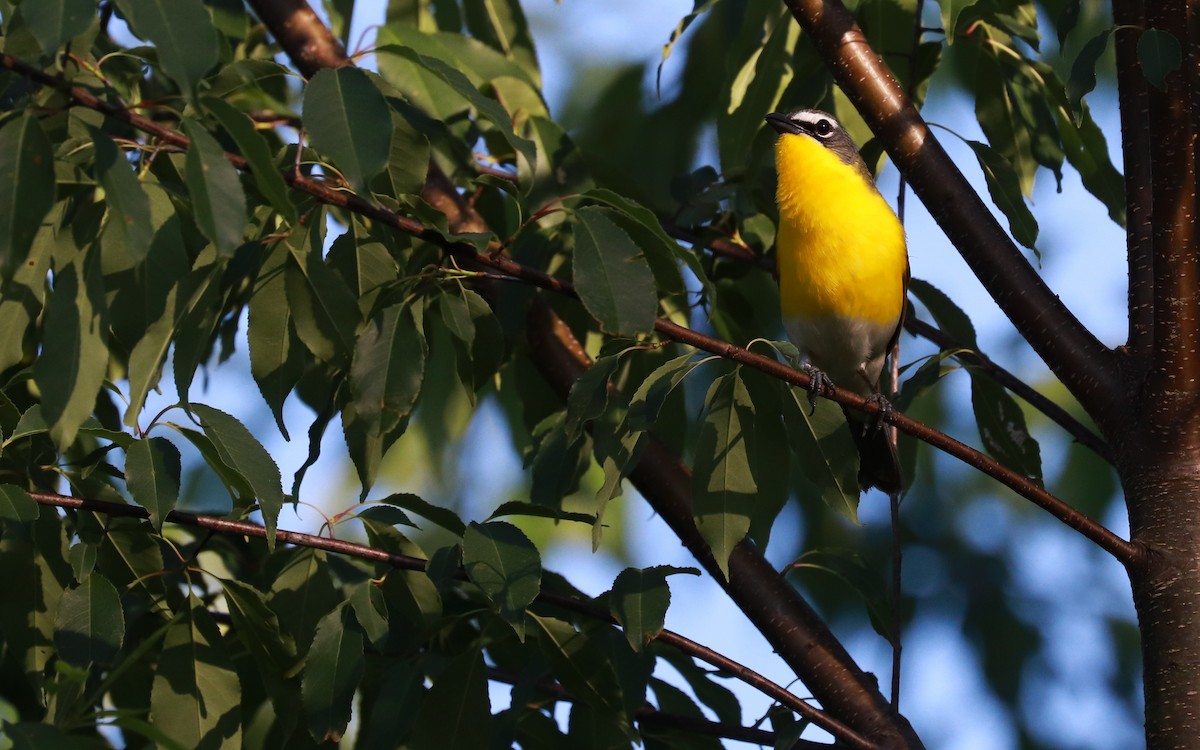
220 525
1085 366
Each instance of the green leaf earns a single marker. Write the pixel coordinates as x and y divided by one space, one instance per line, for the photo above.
239 449
558 462
254 148
951 10
1087 150
258 628
128 203
152 473
16 504
506 566
949 316
387 370
26 188
663 253
758 87
723 485
74 358
502 26
1159 54
323 308
217 197
90 625
639 600
866 580
488 108
183 35
347 118
456 713
578 661
443 517
589 395
56 21
1083 72
1005 189
824 451
612 277
333 669
699 8
711 693
196 697
650 396
301 594
1002 428
277 358
519 508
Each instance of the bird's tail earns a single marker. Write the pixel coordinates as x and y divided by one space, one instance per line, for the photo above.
878 464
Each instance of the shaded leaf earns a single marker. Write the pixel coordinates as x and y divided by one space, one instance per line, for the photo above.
217 197
74 357
183 35
824 451
639 600
1002 428
239 449
1005 189
612 277
56 21
387 370
277 358
196 696
723 485
152 473
1083 72
26 188
456 712
443 517
333 669
254 148
506 566
128 203
347 118
16 504
1159 54
90 626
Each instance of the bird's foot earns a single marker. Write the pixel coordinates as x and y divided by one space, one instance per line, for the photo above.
886 410
818 381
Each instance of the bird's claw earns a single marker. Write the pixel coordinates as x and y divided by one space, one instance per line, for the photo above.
884 414
818 381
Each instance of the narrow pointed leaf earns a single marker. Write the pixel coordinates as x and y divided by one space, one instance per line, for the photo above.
239 449
74 358
456 713
1005 189
723 485
254 147
348 119
217 196
26 188
613 279
152 472
333 669
388 369
128 203
90 626
183 35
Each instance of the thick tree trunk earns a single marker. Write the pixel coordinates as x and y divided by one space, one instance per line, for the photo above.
1161 471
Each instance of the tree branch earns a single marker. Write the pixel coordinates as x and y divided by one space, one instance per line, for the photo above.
1085 366
1126 552
404 562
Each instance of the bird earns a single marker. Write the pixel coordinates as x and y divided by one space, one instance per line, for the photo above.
843 271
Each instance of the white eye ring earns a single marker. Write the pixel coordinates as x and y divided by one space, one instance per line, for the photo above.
823 127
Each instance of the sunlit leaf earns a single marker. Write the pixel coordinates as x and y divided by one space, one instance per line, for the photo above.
723 485
254 148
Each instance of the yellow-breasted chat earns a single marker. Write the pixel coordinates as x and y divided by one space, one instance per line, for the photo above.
843 270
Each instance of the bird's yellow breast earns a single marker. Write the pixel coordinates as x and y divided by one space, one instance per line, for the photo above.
841 249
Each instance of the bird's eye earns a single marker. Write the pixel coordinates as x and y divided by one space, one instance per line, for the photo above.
823 127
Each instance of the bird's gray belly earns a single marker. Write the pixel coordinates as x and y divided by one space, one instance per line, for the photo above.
840 346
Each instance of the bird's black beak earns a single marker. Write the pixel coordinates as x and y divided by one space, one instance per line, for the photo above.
783 124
